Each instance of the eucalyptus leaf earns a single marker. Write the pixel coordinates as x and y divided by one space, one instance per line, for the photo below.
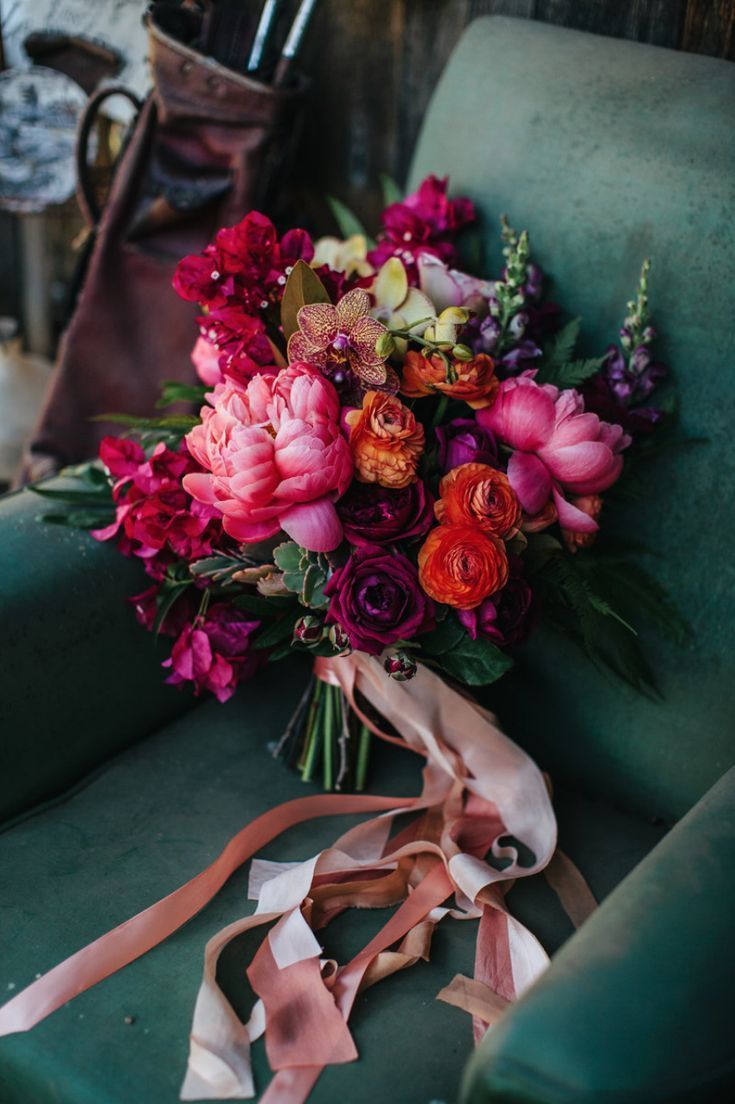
303 287
287 556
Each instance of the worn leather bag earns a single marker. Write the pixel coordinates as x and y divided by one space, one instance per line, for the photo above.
205 148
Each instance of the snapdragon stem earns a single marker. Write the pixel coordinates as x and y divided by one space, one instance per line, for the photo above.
328 737
311 745
363 751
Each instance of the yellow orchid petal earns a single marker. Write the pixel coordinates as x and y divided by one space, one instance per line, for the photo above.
417 308
391 284
457 316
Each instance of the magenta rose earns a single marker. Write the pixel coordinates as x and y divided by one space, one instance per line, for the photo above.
371 514
377 599
214 653
507 617
464 441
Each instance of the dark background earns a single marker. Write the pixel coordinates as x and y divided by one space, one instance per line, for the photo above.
375 64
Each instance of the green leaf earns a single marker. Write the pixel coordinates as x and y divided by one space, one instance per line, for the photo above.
281 652
391 192
638 594
99 498
444 637
288 556
92 473
80 519
274 633
261 606
561 349
475 662
165 600
348 223
172 422
172 391
302 288
571 374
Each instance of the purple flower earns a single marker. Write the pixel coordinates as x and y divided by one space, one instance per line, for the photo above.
377 599
214 653
464 441
507 616
632 382
371 514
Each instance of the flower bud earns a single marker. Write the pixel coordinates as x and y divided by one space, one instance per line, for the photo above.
400 666
385 346
462 352
308 630
339 639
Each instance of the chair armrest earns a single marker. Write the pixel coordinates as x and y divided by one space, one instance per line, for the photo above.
639 1005
79 679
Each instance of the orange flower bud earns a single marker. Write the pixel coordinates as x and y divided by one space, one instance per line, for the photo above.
474 381
476 494
386 441
462 565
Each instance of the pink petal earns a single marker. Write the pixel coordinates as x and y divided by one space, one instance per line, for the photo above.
314 525
522 415
200 487
586 468
574 430
572 518
250 532
530 480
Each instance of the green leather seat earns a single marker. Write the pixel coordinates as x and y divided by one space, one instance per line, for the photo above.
606 150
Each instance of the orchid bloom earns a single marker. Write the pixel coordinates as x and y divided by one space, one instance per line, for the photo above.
398 306
445 329
348 256
341 338
448 287
559 447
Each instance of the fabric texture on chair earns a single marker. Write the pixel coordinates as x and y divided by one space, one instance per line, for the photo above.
156 815
610 151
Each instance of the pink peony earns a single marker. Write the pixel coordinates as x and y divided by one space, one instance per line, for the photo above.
274 458
559 447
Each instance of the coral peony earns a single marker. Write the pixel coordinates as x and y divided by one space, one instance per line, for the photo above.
376 598
274 458
476 494
461 565
473 381
559 447
386 440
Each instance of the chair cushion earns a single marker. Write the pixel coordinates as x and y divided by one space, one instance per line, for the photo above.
71 654
156 815
609 151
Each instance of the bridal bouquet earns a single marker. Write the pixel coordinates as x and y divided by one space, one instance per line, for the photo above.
391 457
399 469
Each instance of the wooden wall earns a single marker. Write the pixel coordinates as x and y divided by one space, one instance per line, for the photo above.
376 62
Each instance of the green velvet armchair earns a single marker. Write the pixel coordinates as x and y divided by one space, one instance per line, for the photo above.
114 788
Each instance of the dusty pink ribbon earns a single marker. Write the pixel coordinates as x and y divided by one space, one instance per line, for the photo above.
479 787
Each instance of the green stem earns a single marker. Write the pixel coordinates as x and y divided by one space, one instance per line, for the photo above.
363 752
312 732
328 737
441 409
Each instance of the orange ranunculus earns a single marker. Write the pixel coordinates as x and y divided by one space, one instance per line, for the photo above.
462 565
474 381
476 494
386 440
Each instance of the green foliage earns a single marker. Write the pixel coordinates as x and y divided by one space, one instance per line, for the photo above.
275 632
391 192
348 223
572 374
562 345
88 505
168 429
172 392
302 288
575 603
473 662
305 573
219 568
262 606
174 583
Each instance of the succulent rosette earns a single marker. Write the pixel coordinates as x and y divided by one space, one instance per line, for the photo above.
390 455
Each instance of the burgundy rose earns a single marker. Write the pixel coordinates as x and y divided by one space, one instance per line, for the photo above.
214 653
372 514
464 441
377 599
505 618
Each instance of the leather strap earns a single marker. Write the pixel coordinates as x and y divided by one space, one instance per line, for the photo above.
86 197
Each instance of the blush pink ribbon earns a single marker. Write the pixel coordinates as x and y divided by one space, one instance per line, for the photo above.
481 795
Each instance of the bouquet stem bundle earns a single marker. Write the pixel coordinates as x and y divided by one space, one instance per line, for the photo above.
326 738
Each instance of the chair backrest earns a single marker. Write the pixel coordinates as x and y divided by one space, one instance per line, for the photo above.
609 151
